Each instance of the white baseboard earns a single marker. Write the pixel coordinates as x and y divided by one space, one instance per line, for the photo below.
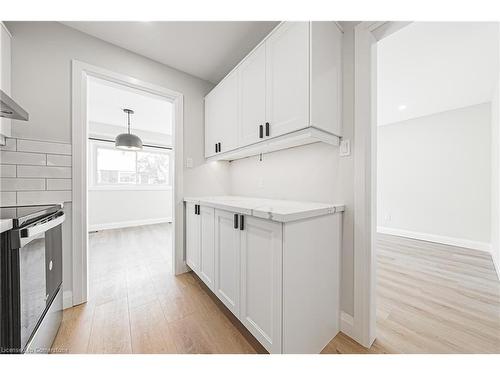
67 299
126 224
459 242
347 324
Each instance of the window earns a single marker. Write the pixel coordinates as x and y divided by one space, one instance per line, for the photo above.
112 168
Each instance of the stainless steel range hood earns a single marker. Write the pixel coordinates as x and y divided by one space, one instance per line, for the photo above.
10 109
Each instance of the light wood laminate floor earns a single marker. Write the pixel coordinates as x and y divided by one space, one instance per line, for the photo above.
431 299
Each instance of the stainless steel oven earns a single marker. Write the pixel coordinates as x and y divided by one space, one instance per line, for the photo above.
31 281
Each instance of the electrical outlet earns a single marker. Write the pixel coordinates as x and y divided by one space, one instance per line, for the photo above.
189 162
388 218
345 147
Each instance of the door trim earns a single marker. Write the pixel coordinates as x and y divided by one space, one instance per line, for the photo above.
366 35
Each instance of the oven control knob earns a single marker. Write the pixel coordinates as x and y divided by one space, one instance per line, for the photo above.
50 266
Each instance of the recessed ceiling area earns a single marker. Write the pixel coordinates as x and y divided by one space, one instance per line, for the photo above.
106 101
207 50
431 67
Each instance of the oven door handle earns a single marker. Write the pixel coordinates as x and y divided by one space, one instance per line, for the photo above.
44 227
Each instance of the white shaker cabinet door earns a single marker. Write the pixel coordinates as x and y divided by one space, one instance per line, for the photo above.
252 74
207 256
261 278
287 78
221 116
193 238
227 260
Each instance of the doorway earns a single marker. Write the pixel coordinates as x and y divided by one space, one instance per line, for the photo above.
129 190
419 291
97 164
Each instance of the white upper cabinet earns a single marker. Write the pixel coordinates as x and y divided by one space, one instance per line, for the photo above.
326 77
252 89
221 117
287 78
285 93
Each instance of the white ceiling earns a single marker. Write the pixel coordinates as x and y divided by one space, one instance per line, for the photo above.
431 67
208 50
106 101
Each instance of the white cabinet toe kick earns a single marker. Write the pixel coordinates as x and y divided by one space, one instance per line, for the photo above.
280 277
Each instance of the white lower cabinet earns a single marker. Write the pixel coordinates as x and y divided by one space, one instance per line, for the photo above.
227 260
207 246
193 237
261 275
280 279
200 255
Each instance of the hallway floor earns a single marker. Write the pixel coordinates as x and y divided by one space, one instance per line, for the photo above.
431 299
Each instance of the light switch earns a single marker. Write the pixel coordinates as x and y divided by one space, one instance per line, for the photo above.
189 162
345 147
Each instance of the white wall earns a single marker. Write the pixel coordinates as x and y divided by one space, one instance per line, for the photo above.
314 173
495 177
123 208
434 176
41 81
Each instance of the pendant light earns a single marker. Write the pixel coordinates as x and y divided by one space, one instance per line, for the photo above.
128 141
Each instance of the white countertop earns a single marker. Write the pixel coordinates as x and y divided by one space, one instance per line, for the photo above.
5 224
272 209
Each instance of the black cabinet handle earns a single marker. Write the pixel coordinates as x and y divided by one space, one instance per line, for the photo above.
267 129
242 222
235 221
219 146
261 131
216 149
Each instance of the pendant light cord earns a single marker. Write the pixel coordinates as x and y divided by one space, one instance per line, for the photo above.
128 121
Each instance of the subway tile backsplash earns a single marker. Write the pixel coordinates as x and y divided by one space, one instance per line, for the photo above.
45 197
34 172
13 157
7 171
59 160
43 147
43 171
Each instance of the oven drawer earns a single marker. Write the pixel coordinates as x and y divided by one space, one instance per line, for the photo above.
41 342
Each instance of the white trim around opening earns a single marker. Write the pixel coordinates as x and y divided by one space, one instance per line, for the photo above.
366 35
80 72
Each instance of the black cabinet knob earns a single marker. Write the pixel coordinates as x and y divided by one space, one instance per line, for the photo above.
267 129
261 131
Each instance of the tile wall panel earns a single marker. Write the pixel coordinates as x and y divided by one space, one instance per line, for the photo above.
34 172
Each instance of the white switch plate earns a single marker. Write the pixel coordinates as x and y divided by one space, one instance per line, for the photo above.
189 162
345 147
